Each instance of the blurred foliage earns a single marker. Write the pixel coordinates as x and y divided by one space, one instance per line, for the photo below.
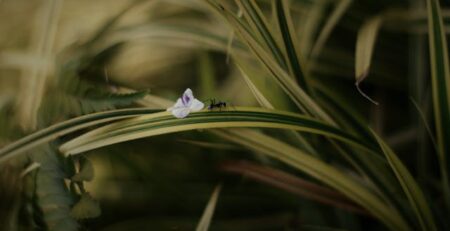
298 146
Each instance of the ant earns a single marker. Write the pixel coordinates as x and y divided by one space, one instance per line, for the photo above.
219 104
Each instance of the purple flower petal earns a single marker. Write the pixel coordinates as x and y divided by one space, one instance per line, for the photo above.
187 97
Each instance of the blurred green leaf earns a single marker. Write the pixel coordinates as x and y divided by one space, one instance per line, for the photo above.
205 220
410 187
86 207
440 76
337 13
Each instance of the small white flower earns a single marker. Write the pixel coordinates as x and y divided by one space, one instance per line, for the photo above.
186 104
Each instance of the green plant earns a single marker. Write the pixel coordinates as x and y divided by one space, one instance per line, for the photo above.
306 117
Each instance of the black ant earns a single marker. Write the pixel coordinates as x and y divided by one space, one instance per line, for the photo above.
219 104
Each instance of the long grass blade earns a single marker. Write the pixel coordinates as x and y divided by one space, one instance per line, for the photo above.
262 100
259 24
311 21
440 78
164 123
48 134
410 187
290 42
207 216
330 24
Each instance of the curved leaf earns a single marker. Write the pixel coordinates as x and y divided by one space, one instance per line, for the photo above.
410 187
164 123
66 127
364 49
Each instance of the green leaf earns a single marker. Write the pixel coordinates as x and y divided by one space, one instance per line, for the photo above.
205 220
252 83
297 94
364 50
343 112
410 187
290 42
33 140
329 25
164 122
440 78
259 25
368 33
310 27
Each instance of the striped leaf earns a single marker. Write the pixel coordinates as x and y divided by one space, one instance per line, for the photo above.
296 93
290 42
33 140
260 26
164 123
